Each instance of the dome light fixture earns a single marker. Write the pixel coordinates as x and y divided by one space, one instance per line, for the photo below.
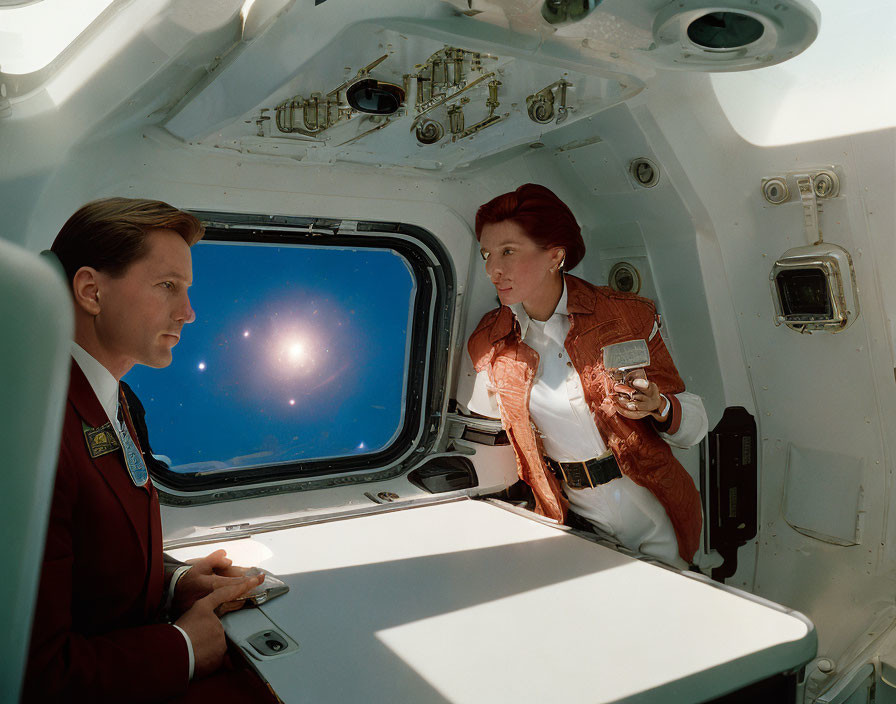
732 35
374 97
560 12
725 30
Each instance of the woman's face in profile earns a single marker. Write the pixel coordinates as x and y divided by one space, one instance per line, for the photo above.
519 268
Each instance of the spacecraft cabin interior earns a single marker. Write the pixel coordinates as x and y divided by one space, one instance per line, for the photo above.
733 161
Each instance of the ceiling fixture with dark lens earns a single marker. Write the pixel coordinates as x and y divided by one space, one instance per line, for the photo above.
731 35
374 97
725 30
567 11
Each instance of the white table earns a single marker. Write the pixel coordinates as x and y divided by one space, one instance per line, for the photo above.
468 602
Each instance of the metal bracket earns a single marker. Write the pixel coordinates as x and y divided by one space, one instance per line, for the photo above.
811 207
813 188
826 184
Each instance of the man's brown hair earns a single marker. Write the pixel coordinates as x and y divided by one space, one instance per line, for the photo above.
110 234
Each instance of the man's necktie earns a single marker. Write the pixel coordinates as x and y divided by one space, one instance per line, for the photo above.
132 456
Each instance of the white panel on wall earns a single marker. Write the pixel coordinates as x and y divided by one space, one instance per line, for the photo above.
823 495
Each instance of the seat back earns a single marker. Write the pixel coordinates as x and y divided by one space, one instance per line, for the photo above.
36 324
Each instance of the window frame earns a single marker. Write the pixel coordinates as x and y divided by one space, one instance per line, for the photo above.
21 84
427 365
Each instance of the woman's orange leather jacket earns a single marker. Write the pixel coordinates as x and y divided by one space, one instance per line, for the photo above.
598 317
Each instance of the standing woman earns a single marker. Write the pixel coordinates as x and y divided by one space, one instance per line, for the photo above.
582 441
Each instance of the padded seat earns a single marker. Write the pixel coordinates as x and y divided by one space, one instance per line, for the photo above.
35 352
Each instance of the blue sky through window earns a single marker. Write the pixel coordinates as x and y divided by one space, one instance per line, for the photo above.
297 353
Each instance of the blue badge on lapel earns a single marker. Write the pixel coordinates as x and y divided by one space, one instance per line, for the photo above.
133 458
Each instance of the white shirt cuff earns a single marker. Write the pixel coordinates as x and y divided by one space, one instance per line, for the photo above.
189 648
693 425
666 408
178 573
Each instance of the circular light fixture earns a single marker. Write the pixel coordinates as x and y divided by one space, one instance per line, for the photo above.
560 12
731 35
374 97
645 172
624 277
725 30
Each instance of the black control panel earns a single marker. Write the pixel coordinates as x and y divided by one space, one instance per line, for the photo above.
730 483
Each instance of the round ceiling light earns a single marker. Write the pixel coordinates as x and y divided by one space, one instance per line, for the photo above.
725 30
734 35
374 97
559 12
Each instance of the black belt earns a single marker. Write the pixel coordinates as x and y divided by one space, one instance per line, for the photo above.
581 475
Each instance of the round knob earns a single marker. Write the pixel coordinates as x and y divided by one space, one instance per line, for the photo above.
775 190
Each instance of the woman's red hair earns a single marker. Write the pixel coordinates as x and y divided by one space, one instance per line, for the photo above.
547 220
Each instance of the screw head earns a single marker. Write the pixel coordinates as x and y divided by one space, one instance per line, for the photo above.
826 184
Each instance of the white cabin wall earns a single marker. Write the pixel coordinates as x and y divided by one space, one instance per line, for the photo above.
833 393
152 164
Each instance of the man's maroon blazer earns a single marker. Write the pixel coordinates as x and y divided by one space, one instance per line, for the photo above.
97 632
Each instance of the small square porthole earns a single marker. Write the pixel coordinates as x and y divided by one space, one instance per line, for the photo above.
814 288
805 294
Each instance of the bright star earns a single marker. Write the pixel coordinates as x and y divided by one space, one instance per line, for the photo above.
295 351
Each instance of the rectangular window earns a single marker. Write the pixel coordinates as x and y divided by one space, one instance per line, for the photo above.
301 360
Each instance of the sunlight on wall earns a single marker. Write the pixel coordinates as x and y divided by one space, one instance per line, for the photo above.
32 36
842 84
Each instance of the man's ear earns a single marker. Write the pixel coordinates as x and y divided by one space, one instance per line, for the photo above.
85 287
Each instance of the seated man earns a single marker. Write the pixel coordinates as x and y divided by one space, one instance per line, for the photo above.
99 629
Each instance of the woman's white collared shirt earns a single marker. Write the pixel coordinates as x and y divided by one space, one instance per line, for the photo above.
621 508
